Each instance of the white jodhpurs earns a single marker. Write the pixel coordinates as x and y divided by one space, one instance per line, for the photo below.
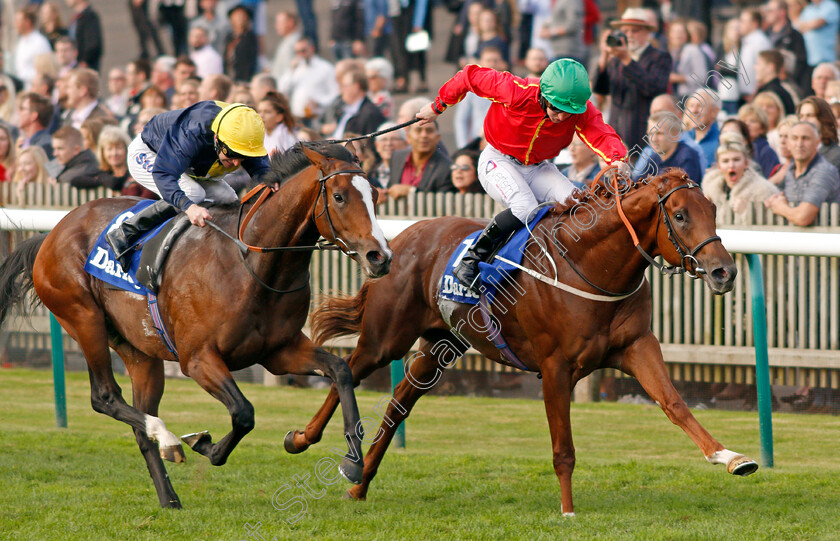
521 187
141 161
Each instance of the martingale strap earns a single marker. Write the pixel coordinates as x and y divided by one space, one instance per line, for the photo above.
157 321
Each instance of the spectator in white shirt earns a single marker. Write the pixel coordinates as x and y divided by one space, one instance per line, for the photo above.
753 41
207 60
287 26
30 44
310 82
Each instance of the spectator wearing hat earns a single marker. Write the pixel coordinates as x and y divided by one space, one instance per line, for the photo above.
632 73
241 46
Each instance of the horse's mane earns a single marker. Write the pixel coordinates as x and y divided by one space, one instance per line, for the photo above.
287 164
600 190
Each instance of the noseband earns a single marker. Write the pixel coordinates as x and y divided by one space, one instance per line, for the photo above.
322 192
688 257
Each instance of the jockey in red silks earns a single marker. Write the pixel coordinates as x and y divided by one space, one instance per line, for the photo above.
527 125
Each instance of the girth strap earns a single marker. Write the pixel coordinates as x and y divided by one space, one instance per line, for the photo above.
497 338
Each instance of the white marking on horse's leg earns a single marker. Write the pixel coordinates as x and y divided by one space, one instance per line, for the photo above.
722 457
363 185
568 514
157 431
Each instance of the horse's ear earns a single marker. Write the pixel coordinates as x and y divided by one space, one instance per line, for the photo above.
314 157
356 151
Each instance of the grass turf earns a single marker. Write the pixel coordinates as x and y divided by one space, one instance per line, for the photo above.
473 469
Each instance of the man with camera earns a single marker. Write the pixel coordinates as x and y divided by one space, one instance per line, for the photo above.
632 72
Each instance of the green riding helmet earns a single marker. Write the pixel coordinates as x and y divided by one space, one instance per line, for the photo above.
565 85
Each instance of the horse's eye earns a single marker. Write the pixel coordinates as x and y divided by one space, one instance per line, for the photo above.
679 217
338 198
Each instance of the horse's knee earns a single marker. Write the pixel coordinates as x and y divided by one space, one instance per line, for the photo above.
243 416
102 401
342 376
676 410
564 463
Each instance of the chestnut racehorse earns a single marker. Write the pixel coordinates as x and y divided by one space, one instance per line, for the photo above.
563 336
221 316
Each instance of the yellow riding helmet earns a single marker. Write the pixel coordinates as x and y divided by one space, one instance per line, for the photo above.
240 128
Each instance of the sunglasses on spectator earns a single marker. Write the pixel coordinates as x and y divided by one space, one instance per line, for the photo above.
460 167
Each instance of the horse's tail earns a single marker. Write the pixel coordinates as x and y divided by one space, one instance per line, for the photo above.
16 274
339 316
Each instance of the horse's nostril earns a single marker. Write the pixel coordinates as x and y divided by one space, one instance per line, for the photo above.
720 274
375 257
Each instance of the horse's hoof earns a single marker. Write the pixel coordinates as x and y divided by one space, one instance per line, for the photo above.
289 443
351 470
353 494
741 465
196 438
172 504
174 453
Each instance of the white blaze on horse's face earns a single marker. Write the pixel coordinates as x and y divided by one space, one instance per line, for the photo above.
364 188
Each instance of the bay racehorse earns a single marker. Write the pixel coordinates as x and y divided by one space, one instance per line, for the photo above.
221 316
564 336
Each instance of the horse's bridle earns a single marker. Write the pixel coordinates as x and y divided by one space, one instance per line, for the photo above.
687 255
264 191
322 192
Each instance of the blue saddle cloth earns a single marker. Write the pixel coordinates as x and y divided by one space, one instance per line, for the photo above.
102 263
491 273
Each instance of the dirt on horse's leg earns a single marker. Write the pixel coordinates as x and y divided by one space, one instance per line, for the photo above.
643 360
422 375
147 383
208 369
305 358
557 393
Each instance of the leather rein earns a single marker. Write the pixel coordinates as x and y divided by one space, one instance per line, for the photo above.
688 256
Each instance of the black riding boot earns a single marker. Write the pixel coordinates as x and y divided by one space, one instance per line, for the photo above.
123 238
493 235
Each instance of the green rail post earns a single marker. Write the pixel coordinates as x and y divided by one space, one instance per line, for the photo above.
58 373
397 375
762 363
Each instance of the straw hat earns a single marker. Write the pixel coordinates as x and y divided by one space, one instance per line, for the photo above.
633 17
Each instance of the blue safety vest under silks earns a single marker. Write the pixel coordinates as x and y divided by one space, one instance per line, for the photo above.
183 142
